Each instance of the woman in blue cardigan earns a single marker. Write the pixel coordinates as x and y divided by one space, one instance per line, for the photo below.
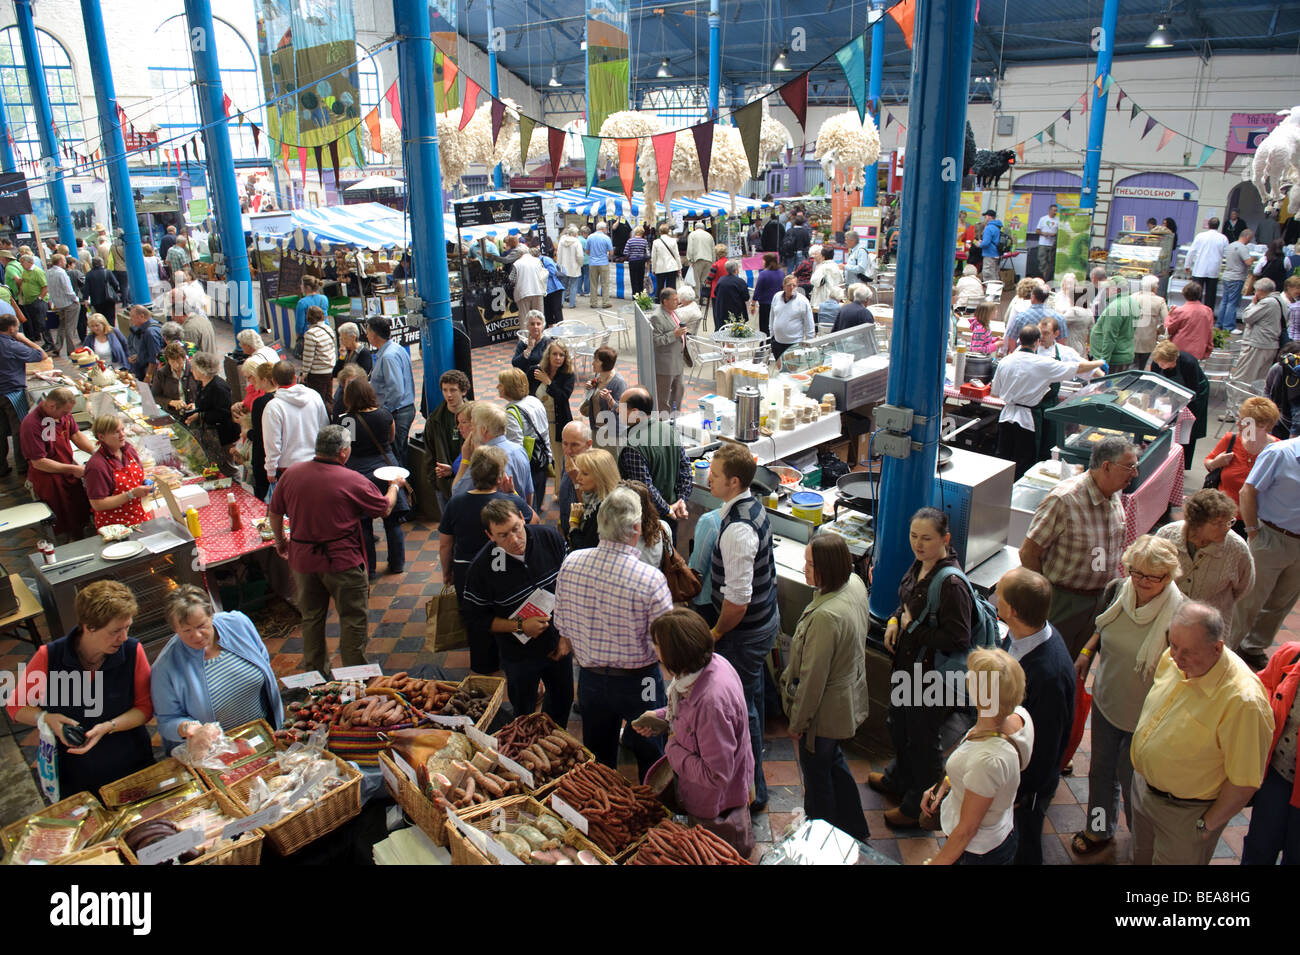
216 669
108 344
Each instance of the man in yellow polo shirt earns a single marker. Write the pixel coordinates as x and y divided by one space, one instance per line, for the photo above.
1201 744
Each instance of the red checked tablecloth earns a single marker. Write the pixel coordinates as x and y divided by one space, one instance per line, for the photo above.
219 545
1161 490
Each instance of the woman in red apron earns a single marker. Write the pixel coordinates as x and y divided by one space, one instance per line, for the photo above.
114 476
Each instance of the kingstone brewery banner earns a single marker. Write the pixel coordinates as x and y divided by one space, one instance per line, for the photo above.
608 68
308 54
1074 238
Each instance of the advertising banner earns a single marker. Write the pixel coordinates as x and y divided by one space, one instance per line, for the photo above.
608 66
1075 236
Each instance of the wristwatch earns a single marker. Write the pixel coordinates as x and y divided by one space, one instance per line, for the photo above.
516 623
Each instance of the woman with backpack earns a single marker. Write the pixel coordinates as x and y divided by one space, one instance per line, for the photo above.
527 425
920 630
1130 638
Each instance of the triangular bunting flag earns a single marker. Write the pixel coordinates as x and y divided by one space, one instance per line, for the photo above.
889 118
749 120
449 71
1228 161
526 125
317 154
472 90
241 117
555 145
703 133
853 61
590 156
1167 135
795 94
257 135
1133 113
1051 132
334 158
1151 124
1020 151
194 142
372 125
395 104
302 164
1066 116
1083 104
1097 83
498 117
627 164
1119 99
664 145
904 14
225 103
1039 136
1107 83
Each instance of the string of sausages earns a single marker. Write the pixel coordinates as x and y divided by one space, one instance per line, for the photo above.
617 812
671 844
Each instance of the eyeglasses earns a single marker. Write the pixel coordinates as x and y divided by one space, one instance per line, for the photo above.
1147 578
1132 468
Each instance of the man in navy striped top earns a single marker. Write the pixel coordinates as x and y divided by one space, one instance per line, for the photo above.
744 589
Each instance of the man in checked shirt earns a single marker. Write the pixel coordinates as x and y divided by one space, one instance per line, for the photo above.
606 597
653 455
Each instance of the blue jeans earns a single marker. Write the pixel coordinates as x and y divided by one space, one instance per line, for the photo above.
749 658
1274 825
586 281
829 791
1227 317
607 700
1110 773
402 419
573 288
1005 854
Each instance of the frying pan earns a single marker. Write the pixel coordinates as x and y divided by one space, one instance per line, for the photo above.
765 479
857 489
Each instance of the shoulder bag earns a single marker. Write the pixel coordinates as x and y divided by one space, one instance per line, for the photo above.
683 582
1215 477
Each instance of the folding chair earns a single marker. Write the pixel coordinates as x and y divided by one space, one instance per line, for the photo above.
703 352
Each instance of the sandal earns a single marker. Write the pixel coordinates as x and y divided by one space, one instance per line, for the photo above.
1084 845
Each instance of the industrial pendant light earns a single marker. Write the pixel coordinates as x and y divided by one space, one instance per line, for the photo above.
555 79
1160 39
779 65
664 73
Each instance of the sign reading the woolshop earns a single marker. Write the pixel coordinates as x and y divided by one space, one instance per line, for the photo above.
1155 192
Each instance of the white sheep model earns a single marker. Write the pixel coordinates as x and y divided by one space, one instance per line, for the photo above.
844 143
390 138
458 149
627 124
1274 170
728 163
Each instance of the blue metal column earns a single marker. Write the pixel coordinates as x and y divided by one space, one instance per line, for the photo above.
221 163
497 180
941 56
110 129
1097 123
871 181
424 191
715 58
52 166
7 161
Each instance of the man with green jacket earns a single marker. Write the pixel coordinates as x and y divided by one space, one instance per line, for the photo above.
654 456
1112 336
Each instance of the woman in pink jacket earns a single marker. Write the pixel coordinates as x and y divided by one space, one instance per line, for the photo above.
708 728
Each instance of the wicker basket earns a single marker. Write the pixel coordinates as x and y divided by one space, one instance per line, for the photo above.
463 852
247 851
252 731
106 853
298 829
428 818
74 807
161 777
495 688
363 744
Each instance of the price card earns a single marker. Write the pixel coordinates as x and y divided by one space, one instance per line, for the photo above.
569 814
525 775
480 738
390 777
453 721
358 673
476 837
171 847
405 767
266 816
302 681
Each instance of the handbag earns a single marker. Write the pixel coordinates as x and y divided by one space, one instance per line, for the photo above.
444 629
683 582
406 485
1215 477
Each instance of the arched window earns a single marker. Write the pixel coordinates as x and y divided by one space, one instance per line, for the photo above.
172 72
368 84
59 79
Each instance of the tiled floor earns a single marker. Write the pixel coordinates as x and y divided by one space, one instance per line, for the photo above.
397 617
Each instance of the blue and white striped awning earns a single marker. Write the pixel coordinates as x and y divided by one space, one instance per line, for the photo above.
715 204
369 225
600 202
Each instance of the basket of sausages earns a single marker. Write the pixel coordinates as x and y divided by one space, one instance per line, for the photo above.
671 844
618 813
361 728
518 828
544 749
477 698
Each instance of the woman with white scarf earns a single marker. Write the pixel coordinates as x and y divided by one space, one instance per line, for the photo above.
1132 633
707 724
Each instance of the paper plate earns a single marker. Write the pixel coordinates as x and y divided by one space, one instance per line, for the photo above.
392 473
121 550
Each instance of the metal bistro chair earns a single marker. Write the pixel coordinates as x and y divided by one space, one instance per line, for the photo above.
1236 394
703 352
1218 369
617 323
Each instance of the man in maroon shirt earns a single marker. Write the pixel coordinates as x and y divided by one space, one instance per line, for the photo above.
326 502
48 434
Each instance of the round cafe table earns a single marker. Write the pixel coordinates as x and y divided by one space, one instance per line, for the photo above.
738 346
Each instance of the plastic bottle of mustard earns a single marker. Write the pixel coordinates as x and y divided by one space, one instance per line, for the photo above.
192 522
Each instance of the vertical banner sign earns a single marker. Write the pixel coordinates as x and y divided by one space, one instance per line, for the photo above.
608 67
308 58
1016 216
446 96
1075 236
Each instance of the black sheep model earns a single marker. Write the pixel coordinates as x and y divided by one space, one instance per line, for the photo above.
990 165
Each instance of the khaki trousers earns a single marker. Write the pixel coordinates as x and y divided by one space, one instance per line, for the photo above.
350 591
1164 829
